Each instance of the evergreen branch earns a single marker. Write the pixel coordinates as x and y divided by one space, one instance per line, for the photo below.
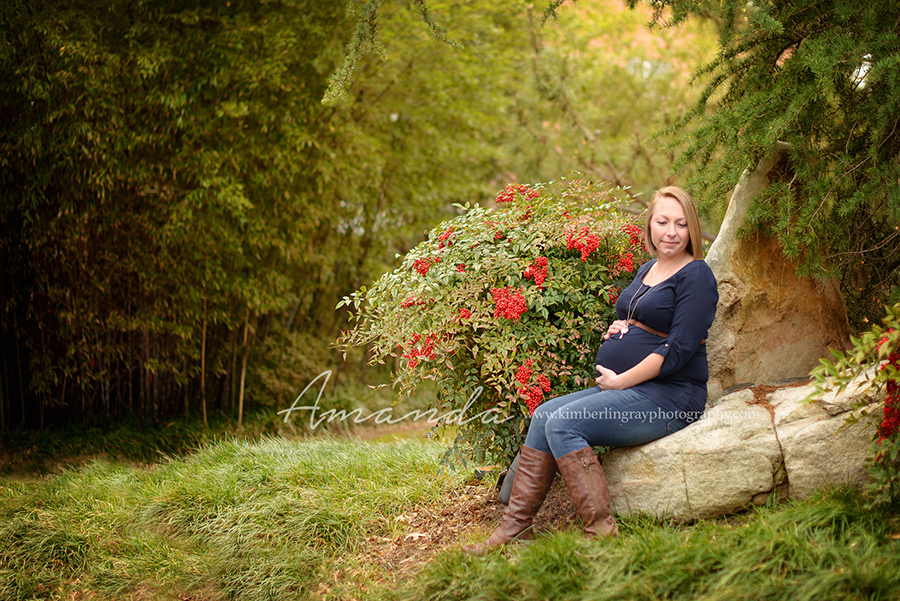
438 31
364 36
550 11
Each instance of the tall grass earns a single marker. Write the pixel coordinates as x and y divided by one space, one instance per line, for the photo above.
822 549
237 520
275 519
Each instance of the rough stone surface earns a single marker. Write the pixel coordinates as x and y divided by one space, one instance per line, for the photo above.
771 324
819 447
713 467
742 452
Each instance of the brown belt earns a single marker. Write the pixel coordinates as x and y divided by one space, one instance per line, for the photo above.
646 328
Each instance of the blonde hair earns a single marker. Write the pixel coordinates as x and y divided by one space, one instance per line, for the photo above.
695 242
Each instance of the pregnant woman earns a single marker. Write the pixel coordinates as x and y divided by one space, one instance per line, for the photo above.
651 377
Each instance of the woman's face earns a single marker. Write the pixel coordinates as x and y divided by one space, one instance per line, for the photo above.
669 229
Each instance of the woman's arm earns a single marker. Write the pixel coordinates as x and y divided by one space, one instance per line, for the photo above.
647 369
696 296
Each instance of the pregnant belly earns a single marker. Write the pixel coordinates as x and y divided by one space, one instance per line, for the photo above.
621 354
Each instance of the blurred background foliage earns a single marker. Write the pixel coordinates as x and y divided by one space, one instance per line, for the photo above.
181 212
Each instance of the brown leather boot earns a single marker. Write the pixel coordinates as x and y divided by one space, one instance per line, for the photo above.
586 483
530 485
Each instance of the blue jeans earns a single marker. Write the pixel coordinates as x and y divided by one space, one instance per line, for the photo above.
594 417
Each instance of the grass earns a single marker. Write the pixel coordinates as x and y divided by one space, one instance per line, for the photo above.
821 549
271 519
280 519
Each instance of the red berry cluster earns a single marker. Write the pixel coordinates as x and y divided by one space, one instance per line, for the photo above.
423 265
508 194
498 232
583 240
544 383
414 302
635 233
509 303
891 416
534 395
465 313
538 271
426 349
524 372
623 263
461 267
614 295
445 239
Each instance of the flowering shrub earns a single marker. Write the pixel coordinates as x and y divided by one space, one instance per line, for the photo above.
878 348
511 301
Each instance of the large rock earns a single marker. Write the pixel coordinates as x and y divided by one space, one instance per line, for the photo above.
744 450
713 467
771 325
818 449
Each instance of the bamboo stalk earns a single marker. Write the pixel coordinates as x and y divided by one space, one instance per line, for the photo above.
3 407
203 366
232 381
243 370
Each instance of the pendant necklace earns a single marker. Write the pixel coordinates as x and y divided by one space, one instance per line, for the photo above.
629 313
639 295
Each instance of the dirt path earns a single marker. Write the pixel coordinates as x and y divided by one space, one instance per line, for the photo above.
467 515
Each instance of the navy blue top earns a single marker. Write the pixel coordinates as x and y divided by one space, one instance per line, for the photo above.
684 306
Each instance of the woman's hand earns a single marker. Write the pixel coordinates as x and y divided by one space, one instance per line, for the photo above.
619 326
608 379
